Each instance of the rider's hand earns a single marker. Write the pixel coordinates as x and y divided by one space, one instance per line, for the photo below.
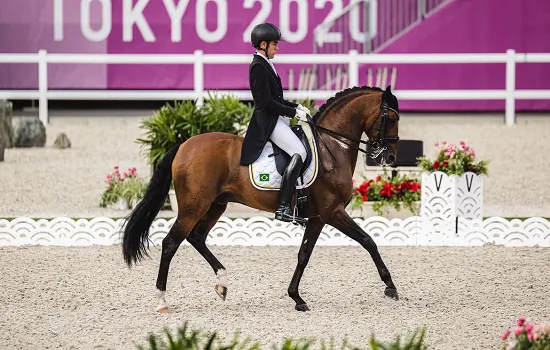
300 115
305 109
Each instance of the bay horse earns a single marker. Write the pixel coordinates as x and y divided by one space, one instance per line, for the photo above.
207 175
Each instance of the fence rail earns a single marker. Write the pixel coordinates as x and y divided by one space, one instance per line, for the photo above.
353 59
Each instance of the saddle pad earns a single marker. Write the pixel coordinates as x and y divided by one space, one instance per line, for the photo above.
263 172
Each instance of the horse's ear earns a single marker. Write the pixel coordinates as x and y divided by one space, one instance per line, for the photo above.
387 95
390 98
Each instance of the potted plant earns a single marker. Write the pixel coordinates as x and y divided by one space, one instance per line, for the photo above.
174 123
133 187
123 190
386 196
452 183
527 335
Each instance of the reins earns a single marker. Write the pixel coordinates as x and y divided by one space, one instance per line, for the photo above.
383 111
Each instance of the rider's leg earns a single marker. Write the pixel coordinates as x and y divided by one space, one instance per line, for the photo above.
285 138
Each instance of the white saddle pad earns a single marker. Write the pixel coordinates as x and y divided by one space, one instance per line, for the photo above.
263 172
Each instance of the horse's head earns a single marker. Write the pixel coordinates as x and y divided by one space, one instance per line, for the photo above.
382 127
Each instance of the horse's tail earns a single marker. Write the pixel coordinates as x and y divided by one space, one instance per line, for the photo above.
136 233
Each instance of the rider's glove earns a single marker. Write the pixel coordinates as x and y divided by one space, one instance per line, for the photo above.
300 115
305 109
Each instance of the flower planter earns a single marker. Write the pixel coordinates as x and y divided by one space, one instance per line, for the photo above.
452 195
445 198
173 200
134 203
120 204
389 212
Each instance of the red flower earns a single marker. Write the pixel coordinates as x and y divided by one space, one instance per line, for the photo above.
436 164
387 190
415 186
446 163
363 188
470 167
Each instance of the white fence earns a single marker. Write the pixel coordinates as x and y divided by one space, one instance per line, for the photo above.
262 231
198 59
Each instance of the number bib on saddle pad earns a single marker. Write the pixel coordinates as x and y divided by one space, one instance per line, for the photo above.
267 171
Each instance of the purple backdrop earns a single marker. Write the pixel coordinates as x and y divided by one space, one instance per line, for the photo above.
121 27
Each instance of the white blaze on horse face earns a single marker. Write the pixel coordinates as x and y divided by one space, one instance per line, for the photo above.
222 278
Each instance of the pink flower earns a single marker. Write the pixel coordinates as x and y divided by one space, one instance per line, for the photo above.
125 174
436 144
530 336
518 331
506 334
528 327
444 142
521 321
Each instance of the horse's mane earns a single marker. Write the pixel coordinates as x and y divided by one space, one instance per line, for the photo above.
340 95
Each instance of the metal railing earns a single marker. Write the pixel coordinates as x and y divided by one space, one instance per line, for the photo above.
367 26
353 59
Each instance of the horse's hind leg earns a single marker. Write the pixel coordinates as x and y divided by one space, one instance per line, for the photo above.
344 223
197 239
180 230
170 245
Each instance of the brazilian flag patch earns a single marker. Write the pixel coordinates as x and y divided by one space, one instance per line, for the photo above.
264 177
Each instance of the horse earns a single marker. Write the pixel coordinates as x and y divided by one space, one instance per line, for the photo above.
207 175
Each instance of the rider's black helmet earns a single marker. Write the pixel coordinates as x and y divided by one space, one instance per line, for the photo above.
265 31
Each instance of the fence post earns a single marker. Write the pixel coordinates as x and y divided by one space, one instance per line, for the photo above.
43 86
353 69
199 77
510 113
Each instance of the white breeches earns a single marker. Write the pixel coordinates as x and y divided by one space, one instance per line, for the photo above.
287 140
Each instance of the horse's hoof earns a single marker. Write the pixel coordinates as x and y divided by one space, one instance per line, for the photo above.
163 310
222 291
391 293
301 307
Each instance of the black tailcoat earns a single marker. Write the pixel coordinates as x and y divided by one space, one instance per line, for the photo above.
269 103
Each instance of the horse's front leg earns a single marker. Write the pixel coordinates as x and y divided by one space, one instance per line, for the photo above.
344 223
311 234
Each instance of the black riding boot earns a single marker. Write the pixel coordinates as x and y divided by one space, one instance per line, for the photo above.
288 185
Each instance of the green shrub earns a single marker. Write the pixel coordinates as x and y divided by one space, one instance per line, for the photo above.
195 339
174 123
412 344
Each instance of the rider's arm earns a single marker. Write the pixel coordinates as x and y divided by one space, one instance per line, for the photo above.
290 104
262 95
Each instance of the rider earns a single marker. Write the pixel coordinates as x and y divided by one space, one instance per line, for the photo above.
270 109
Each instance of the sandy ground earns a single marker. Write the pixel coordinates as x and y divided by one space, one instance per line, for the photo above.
86 298
46 182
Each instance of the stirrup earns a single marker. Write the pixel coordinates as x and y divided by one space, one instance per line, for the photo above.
282 215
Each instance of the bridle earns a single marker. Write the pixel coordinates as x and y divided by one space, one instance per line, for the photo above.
376 147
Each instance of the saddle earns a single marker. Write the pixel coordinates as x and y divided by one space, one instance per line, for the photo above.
267 171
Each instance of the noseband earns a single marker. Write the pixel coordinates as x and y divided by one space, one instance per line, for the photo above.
377 146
